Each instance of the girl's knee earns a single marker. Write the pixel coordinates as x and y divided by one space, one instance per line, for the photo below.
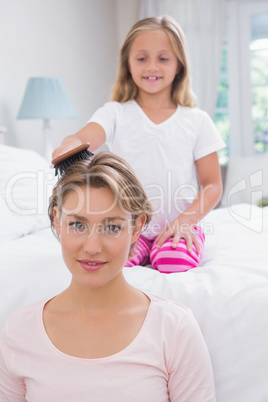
167 259
140 253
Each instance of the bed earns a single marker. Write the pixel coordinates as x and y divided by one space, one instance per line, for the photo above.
228 294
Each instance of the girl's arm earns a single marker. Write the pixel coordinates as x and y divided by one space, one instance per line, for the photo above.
209 174
92 133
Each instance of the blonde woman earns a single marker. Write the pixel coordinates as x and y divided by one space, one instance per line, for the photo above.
102 339
172 145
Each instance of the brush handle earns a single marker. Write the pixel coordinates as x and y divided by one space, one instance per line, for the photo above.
72 152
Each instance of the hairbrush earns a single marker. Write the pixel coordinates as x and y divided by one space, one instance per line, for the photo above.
62 162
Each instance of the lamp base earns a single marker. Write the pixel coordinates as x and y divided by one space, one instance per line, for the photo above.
47 146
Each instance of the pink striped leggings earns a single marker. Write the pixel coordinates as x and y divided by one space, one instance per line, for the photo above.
167 259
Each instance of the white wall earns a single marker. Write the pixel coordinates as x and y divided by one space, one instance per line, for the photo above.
127 15
74 39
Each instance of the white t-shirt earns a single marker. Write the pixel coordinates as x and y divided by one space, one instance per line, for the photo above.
167 361
162 155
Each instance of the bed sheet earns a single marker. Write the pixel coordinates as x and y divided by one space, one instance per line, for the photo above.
228 294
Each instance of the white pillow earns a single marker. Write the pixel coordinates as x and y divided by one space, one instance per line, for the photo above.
26 182
246 180
8 228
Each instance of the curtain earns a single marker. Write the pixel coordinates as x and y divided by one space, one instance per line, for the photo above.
203 23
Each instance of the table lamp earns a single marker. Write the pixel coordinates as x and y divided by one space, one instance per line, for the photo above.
46 98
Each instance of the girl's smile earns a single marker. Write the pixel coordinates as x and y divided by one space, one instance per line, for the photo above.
152 78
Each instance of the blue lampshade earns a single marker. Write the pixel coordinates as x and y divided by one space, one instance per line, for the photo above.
46 98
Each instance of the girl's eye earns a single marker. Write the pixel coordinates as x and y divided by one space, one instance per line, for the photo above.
163 59
141 58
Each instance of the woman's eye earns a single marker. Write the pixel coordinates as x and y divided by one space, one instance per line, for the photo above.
113 228
141 58
78 226
163 59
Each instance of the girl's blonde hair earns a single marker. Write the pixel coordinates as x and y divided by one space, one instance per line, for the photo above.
125 89
108 170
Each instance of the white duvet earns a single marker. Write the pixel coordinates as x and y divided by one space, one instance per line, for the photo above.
228 294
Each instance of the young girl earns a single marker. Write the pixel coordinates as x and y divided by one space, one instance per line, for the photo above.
101 339
172 146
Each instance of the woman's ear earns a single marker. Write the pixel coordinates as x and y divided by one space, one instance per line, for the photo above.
138 226
56 216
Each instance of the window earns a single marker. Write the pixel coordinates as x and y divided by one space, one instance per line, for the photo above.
259 80
242 108
222 117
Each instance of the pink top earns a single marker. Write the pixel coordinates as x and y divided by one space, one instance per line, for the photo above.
167 361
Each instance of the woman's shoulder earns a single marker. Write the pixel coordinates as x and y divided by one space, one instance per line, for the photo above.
166 307
172 319
23 318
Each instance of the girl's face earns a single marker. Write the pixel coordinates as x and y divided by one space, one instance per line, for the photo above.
96 235
152 62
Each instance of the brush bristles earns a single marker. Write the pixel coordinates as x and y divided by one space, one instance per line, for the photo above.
79 156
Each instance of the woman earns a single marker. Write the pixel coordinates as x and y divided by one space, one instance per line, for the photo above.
102 339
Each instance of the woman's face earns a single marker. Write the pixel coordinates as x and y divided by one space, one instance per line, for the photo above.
96 235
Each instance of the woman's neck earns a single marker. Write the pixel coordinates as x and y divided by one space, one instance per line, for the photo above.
115 295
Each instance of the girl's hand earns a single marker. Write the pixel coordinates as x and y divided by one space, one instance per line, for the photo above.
66 146
92 133
179 228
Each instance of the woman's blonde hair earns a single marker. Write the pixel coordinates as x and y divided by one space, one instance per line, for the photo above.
107 170
125 89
